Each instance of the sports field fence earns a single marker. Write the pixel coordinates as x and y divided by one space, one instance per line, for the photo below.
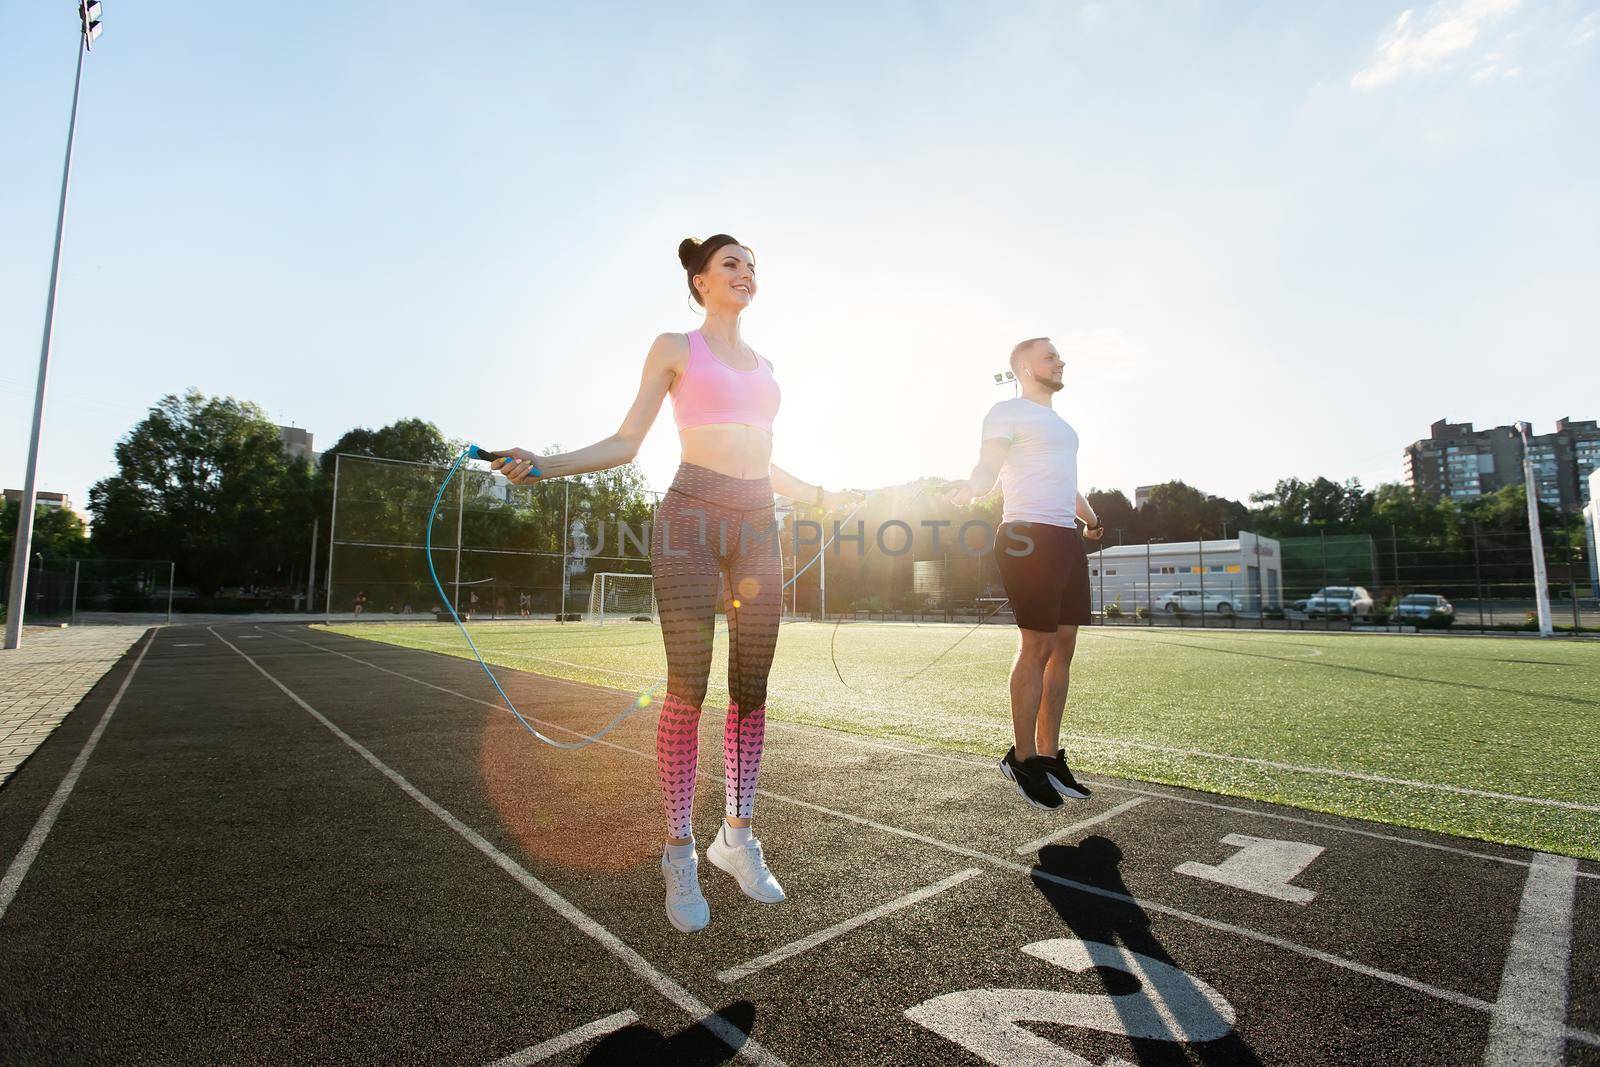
555 550
97 591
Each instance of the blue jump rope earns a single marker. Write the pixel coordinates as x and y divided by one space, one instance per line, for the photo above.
474 452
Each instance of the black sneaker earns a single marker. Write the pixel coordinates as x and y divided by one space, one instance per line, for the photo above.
1030 782
1059 775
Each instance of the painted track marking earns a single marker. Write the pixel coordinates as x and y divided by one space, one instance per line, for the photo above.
1533 987
20 864
569 1040
805 944
1447 995
1098 739
946 757
741 1043
1100 783
1333 772
1067 831
1263 865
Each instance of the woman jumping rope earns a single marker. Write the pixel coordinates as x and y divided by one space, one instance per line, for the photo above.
708 536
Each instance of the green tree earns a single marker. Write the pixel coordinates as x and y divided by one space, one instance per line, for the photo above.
414 440
1116 514
1176 511
1294 507
57 532
204 481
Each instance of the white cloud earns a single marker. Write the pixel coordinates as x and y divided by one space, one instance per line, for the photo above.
1433 42
1587 28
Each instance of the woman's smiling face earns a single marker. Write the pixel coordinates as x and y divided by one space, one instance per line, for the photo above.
729 280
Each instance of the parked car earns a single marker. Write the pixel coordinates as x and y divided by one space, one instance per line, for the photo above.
1340 602
1191 600
1423 608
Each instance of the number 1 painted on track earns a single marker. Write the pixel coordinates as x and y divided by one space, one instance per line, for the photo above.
1262 865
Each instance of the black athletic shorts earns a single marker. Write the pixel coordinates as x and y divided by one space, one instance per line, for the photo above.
1048 583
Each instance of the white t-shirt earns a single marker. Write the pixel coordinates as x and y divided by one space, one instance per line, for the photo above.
1040 476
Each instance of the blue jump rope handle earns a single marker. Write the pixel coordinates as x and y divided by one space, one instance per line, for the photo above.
474 452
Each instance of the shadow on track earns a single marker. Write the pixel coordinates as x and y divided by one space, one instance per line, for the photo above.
1096 861
693 1045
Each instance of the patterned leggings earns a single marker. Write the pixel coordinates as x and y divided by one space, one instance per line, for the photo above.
714 534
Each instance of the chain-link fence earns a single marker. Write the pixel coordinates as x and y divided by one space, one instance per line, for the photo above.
504 551
499 550
98 591
1459 579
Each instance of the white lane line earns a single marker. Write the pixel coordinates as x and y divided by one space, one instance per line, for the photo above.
1533 987
946 757
1277 765
805 944
41 829
741 1043
188 644
1067 831
571 1039
1462 999
1100 783
1333 772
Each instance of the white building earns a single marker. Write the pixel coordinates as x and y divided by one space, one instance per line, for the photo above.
1247 569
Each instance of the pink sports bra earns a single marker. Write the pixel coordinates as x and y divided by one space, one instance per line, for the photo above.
709 391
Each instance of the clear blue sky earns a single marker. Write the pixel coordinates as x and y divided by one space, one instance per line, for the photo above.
1271 240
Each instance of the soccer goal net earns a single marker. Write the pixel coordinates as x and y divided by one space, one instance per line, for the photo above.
621 596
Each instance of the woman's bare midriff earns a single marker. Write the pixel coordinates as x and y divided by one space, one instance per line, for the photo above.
730 448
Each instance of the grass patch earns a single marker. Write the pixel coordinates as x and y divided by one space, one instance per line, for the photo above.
1495 715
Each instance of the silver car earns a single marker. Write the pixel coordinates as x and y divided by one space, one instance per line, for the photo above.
1192 600
1340 602
1421 607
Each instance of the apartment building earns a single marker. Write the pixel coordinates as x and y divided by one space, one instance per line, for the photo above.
1457 462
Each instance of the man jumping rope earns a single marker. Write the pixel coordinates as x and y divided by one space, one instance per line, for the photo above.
1034 454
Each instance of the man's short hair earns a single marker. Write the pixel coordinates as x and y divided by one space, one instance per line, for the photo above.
1023 346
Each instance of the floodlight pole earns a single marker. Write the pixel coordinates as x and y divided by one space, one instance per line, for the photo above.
333 530
24 540
1541 587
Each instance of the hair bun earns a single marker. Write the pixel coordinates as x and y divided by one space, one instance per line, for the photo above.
688 252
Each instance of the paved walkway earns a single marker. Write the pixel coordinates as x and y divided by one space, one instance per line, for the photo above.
44 680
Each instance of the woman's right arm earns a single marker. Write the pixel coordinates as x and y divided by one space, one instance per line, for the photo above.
661 368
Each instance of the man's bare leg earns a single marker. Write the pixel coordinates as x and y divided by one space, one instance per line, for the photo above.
1057 680
1027 689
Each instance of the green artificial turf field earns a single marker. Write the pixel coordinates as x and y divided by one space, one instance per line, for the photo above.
1355 724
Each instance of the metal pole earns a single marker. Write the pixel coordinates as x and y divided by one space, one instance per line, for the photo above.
1572 586
1477 571
1101 557
1327 616
333 529
1394 549
1202 547
1261 586
1149 594
311 576
461 511
822 565
24 540
1541 591
76 564
566 500
172 577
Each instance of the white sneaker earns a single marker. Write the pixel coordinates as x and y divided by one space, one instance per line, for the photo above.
748 867
687 909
